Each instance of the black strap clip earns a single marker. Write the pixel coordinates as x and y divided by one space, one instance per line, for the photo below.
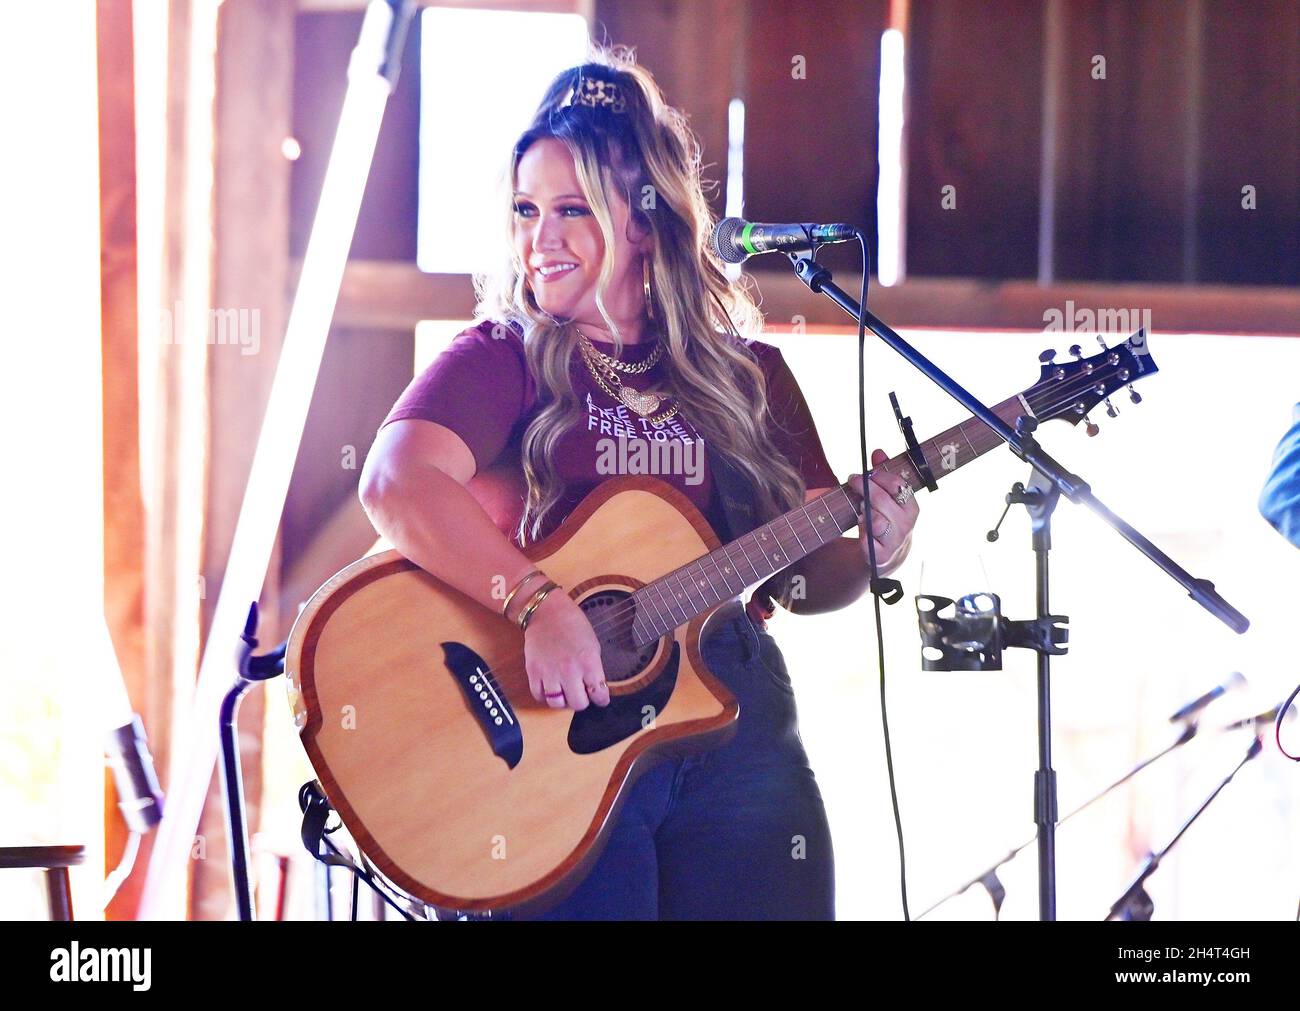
316 810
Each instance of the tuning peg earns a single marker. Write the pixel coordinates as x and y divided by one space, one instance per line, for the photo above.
1076 350
1134 395
1102 341
1111 412
1047 357
1090 427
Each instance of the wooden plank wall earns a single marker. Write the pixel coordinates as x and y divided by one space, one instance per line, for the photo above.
974 111
1250 135
1197 100
692 50
810 141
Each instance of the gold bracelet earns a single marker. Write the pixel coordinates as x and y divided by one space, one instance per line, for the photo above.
537 598
518 586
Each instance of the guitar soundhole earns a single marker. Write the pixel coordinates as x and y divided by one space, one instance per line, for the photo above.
610 613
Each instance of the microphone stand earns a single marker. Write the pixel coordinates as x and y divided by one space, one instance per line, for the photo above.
1135 903
1052 480
252 670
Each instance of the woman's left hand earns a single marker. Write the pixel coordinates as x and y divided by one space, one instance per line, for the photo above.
894 520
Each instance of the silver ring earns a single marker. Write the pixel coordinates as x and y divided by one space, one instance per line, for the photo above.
889 525
904 495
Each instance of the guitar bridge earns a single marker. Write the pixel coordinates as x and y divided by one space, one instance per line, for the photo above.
486 701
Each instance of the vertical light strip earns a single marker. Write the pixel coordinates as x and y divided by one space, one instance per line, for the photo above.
189 336
1193 69
1053 71
890 192
735 196
149 28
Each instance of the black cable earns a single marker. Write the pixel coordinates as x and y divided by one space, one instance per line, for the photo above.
359 875
1277 734
876 588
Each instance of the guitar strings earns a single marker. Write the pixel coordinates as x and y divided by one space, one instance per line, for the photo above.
623 609
623 615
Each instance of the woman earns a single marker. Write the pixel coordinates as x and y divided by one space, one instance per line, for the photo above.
612 319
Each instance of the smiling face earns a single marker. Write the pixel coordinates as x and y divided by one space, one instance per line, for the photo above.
558 241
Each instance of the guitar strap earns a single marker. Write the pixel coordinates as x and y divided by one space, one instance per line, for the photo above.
740 515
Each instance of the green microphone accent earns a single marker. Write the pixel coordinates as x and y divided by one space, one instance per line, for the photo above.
744 238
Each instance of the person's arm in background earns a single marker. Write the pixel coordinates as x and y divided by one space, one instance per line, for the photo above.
1279 501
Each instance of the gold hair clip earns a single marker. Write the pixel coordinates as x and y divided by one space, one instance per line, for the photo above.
597 93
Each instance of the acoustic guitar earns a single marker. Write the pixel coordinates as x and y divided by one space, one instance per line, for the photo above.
412 700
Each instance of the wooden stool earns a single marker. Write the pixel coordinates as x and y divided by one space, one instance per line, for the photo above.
55 860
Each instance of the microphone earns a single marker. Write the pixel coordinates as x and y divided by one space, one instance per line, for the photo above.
736 240
1263 719
1196 705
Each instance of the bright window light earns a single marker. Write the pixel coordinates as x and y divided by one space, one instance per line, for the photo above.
474 103
889 192
735 207
433 337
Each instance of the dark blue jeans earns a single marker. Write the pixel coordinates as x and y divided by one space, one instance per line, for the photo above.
736 833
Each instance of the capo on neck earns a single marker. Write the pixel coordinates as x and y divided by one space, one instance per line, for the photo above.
914 453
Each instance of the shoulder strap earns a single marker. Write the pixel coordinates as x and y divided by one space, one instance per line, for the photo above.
736 494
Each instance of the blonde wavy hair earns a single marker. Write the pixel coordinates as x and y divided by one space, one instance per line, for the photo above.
648 155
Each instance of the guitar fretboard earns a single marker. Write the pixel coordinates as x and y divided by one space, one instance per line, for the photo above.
675 598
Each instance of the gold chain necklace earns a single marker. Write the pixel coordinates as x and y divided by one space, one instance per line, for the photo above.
642 403
613 363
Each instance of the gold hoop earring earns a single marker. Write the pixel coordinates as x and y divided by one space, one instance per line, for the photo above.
649 296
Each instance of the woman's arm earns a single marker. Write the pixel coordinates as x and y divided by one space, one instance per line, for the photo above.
412 487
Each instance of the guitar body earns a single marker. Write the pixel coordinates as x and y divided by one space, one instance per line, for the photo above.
412 702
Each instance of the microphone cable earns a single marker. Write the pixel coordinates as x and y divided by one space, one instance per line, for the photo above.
878 586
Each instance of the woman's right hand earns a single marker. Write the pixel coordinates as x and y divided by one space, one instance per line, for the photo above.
562 655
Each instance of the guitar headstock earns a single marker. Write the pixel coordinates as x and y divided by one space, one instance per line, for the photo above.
1069 390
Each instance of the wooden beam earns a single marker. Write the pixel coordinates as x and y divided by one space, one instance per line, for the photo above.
395 296
124 525
1024 305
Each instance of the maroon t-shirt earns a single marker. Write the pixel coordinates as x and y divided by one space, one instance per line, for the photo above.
480 388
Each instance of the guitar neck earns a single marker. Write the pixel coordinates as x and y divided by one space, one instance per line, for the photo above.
680 595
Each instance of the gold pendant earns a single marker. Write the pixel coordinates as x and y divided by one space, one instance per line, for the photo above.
642 403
